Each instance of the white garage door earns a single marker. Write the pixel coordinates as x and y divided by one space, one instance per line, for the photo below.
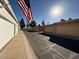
6 32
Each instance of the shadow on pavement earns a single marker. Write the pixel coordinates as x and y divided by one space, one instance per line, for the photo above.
70 44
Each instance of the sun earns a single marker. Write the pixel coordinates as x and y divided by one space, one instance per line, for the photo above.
56 11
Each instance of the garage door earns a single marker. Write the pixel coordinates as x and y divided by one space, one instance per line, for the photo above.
6 32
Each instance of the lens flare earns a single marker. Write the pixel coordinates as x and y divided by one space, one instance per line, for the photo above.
56 11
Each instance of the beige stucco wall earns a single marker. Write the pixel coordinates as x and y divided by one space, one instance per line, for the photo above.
35 28
67 28
8 25
71 29
50 28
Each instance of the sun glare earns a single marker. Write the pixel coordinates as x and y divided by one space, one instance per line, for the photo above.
56 11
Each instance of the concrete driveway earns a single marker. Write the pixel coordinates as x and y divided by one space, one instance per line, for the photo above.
45 49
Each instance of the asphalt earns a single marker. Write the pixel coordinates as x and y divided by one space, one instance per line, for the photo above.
69 43
46 49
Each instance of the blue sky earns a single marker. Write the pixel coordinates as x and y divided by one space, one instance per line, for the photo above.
41 10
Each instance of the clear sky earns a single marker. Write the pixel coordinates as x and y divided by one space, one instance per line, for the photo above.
41 10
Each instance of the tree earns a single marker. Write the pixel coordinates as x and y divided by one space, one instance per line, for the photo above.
70 19
22 24
38 25
33 23
28 24
62 20
43 23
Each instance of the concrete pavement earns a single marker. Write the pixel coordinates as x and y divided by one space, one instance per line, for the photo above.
31 45
18 48
45 49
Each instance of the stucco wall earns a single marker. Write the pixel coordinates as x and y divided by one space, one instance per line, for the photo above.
67 28
35 28
71 29
50 28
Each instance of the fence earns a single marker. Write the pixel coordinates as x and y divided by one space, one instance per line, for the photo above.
66 28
